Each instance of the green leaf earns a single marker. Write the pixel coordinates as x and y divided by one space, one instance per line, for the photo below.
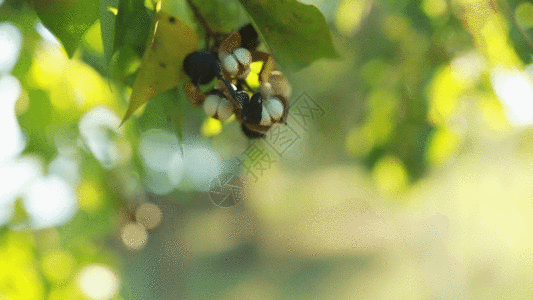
139 29
124 62
223 15
121 25
67 20
176 111
132 25
297 33
163 112
107 24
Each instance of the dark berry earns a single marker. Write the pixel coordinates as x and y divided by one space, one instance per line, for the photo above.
251 134
251 113
201 67
249 37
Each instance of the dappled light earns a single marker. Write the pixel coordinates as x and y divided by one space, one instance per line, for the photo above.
18 174
397 162
50 201
13 137
149 215
134 236
350 14
94 127
98 282
515 90
10 43
202 163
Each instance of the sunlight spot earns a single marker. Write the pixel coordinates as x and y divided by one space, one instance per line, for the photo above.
349 15
13 142
50 201
15 177
96 127
10 43
515 90
157 147
161 153
149 215
98 282
202 165
134 236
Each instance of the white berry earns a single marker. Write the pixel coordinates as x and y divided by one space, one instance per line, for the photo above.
222 55
243 56
224 109
265 117
275 108
231 65
211 104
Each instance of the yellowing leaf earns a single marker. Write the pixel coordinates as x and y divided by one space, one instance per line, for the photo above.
161 68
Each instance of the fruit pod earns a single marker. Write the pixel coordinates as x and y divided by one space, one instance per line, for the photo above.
258 127
269 64
230 43
194 95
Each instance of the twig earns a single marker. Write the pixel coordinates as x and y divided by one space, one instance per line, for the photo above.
513 18
210 32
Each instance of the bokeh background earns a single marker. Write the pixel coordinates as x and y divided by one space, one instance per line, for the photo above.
407 173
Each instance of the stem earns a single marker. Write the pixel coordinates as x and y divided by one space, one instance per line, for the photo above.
511 15
210 32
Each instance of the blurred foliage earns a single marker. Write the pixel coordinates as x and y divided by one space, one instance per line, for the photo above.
408 89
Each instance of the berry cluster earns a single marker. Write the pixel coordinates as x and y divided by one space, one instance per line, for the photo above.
229 62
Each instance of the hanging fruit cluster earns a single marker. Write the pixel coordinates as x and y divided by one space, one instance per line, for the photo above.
228 62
